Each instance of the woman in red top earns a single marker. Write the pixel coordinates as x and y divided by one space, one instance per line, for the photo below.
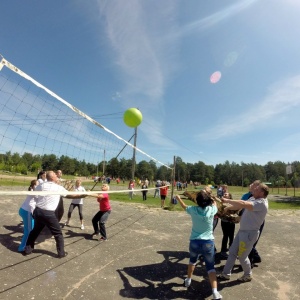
102 215
163 193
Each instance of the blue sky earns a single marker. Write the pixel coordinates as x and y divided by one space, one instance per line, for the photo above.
106 56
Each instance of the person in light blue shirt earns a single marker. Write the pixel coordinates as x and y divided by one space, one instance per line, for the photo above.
201 237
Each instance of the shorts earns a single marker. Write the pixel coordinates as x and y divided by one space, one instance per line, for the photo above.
162 197
206 248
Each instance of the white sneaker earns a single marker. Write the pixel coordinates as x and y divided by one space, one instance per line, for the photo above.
187 282
217 295
82 227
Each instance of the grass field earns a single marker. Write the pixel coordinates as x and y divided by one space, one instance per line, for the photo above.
279 198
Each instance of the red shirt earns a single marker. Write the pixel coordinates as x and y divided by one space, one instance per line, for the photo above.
104 202
164 191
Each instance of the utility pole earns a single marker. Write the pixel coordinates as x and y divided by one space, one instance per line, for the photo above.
103 162
134 151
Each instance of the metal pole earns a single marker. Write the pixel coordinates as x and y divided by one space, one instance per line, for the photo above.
173 179
103 162
133 156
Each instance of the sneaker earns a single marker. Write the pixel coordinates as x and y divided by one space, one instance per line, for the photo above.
245 278
224 255
66 223
102 239
82 227
256 259
223 276
62 255
217 295
187 282
28 250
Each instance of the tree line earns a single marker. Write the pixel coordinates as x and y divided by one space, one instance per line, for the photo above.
229 173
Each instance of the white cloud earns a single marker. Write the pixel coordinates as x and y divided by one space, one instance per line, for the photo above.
283 96
217 17
136 32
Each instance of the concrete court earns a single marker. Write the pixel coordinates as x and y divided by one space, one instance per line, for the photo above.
145 258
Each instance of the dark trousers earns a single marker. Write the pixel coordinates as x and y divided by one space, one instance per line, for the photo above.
254 253
228 235
144 195
99 222
59 212
46 218
71 208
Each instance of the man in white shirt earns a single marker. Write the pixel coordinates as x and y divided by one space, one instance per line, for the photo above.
44 214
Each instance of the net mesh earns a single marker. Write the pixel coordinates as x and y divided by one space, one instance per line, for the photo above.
37 123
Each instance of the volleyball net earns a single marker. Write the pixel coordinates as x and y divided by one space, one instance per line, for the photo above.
41 131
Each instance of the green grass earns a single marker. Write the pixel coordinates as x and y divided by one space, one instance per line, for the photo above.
278 198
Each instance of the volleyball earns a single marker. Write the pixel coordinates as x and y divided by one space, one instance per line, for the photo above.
132 117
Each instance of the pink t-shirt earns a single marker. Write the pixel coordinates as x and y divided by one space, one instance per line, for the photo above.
104 202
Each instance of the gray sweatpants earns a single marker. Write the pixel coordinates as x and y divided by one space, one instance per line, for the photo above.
240 248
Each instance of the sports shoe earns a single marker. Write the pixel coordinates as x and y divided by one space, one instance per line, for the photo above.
223 276
224 255
62 255
217 295
66 223
256 259
245 278
82 227
187 282
28 250
102 239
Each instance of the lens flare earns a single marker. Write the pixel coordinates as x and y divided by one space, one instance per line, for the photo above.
215 77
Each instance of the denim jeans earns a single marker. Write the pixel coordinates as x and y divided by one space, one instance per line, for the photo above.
206 248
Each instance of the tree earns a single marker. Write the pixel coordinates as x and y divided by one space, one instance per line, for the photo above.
144 170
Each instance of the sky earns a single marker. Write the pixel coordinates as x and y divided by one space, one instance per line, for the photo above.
214 80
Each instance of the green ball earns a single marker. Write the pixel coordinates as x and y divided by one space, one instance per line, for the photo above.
132 117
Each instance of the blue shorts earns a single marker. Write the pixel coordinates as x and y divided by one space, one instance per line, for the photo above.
206 248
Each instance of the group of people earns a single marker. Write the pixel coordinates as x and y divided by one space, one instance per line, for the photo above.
46 209
161 190
39 211
202 239
228 227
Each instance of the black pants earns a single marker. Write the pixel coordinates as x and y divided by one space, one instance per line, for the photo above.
100 218
144 195
46 218
228 235
254 253
59 212
71 208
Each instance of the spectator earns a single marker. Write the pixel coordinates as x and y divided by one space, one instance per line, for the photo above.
144 190
163 193
131 189
157 190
